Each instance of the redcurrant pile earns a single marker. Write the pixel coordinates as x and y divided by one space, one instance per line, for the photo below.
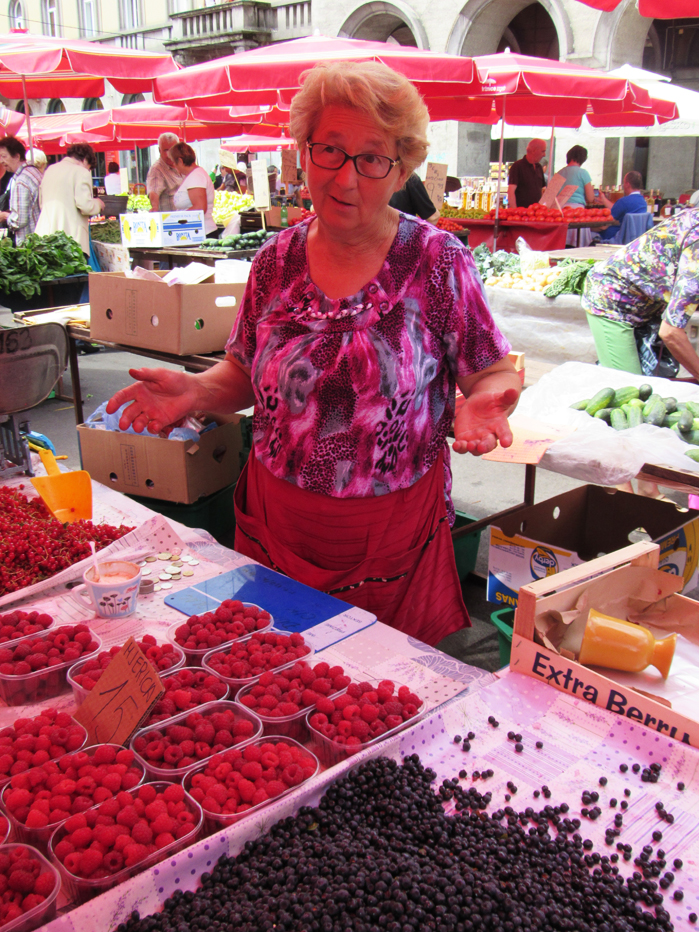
35 546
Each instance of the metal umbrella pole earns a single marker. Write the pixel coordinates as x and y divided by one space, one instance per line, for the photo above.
28 118
497 194
551 149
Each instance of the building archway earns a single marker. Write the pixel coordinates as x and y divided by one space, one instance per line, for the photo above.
56 105
380 21
484 26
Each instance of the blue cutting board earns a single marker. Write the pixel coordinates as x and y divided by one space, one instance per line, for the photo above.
294 607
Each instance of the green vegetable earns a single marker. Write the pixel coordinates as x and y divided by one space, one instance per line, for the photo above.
656 411
624 395
604 414
603 399
489 264
673 418
107 232
691 436
571 280
693 406
670 404
138 203
39 259
633 415
618 419
685 421
580 405
645 391
693 455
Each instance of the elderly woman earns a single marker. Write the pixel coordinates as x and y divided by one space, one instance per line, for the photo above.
66 196
23 213
196 191
356 326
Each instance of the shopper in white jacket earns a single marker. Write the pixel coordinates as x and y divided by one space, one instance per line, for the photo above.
66 196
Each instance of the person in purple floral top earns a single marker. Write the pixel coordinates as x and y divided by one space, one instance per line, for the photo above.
653 278
355 329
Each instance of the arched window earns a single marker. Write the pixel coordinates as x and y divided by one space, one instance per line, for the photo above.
93 103
50 18
132 99
16 14
20 108
56 106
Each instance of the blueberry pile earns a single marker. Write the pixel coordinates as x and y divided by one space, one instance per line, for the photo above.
380 854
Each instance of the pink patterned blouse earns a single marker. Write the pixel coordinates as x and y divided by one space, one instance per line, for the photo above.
355 396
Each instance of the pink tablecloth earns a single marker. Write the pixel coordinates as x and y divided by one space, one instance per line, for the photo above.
540 236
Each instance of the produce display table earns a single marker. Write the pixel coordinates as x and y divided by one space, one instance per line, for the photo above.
539 236
598 252
177 257
566 744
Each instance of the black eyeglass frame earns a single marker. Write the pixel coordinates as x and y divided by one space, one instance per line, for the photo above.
353 158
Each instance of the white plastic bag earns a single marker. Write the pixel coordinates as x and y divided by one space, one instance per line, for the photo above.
529 258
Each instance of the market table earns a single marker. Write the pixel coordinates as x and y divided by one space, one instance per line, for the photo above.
579 253
179 256
567 746
540 236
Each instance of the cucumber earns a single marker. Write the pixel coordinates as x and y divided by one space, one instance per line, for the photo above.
635 403
685 421
633 415
624 395
604 414
693 406
580 405
670 404
649 404
656 412
645 391
618 419
693 455
603 399
671 419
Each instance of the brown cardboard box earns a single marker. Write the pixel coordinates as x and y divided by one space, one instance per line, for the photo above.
273 216
600 581
171 470
182 319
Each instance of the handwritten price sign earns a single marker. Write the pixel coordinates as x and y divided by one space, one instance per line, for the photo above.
121 698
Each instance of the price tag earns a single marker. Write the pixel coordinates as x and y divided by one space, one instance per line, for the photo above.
436 182
121 698
260 184
289 166
552 189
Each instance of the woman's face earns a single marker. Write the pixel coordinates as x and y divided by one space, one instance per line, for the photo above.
344 200
9 162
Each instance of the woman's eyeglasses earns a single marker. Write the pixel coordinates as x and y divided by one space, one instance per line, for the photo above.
333 158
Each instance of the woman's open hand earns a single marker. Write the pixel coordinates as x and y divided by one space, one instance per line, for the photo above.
482 422
159 398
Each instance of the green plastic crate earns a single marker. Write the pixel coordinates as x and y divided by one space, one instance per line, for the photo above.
214 513
466 547
504 620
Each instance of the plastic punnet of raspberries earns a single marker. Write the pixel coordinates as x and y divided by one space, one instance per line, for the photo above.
364 712
293 690
18 624
25 882
31 742
190 739
52 792
162 656
124 831
237 780
186 689
56 647
231 620
257 654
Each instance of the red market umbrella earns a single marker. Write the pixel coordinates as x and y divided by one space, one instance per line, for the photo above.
10 121
653 9
146 121
41 66
272 74
256 143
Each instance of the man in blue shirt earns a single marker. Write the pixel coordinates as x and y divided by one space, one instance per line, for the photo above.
633 202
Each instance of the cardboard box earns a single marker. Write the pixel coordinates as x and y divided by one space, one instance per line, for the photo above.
176 228
171 470
178 319
598 581
580 525
112 257
273 216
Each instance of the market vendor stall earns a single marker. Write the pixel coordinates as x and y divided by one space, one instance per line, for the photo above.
541 236
495 739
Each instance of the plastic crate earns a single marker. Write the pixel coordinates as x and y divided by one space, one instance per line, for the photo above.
504 620
466 547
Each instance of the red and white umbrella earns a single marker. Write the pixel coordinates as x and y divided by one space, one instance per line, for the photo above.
42 66
249 142
653 9
10 121
271 75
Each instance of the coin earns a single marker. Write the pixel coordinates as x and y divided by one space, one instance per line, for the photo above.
157 587
188 572
166 585
142 563
176 563
194 562
151 559
165 577
145 571
172 570
176 552
164 555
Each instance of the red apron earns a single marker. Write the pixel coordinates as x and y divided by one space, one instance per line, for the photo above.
391 555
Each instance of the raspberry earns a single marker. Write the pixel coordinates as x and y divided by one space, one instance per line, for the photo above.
163 840
44 884
113 861
292 775
360 729
276 788
128 817
142 833
369 713
162 823
133 853
104 754
173 793
21 881
90 861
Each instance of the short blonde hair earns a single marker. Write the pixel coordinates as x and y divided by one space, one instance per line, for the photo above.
372 88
